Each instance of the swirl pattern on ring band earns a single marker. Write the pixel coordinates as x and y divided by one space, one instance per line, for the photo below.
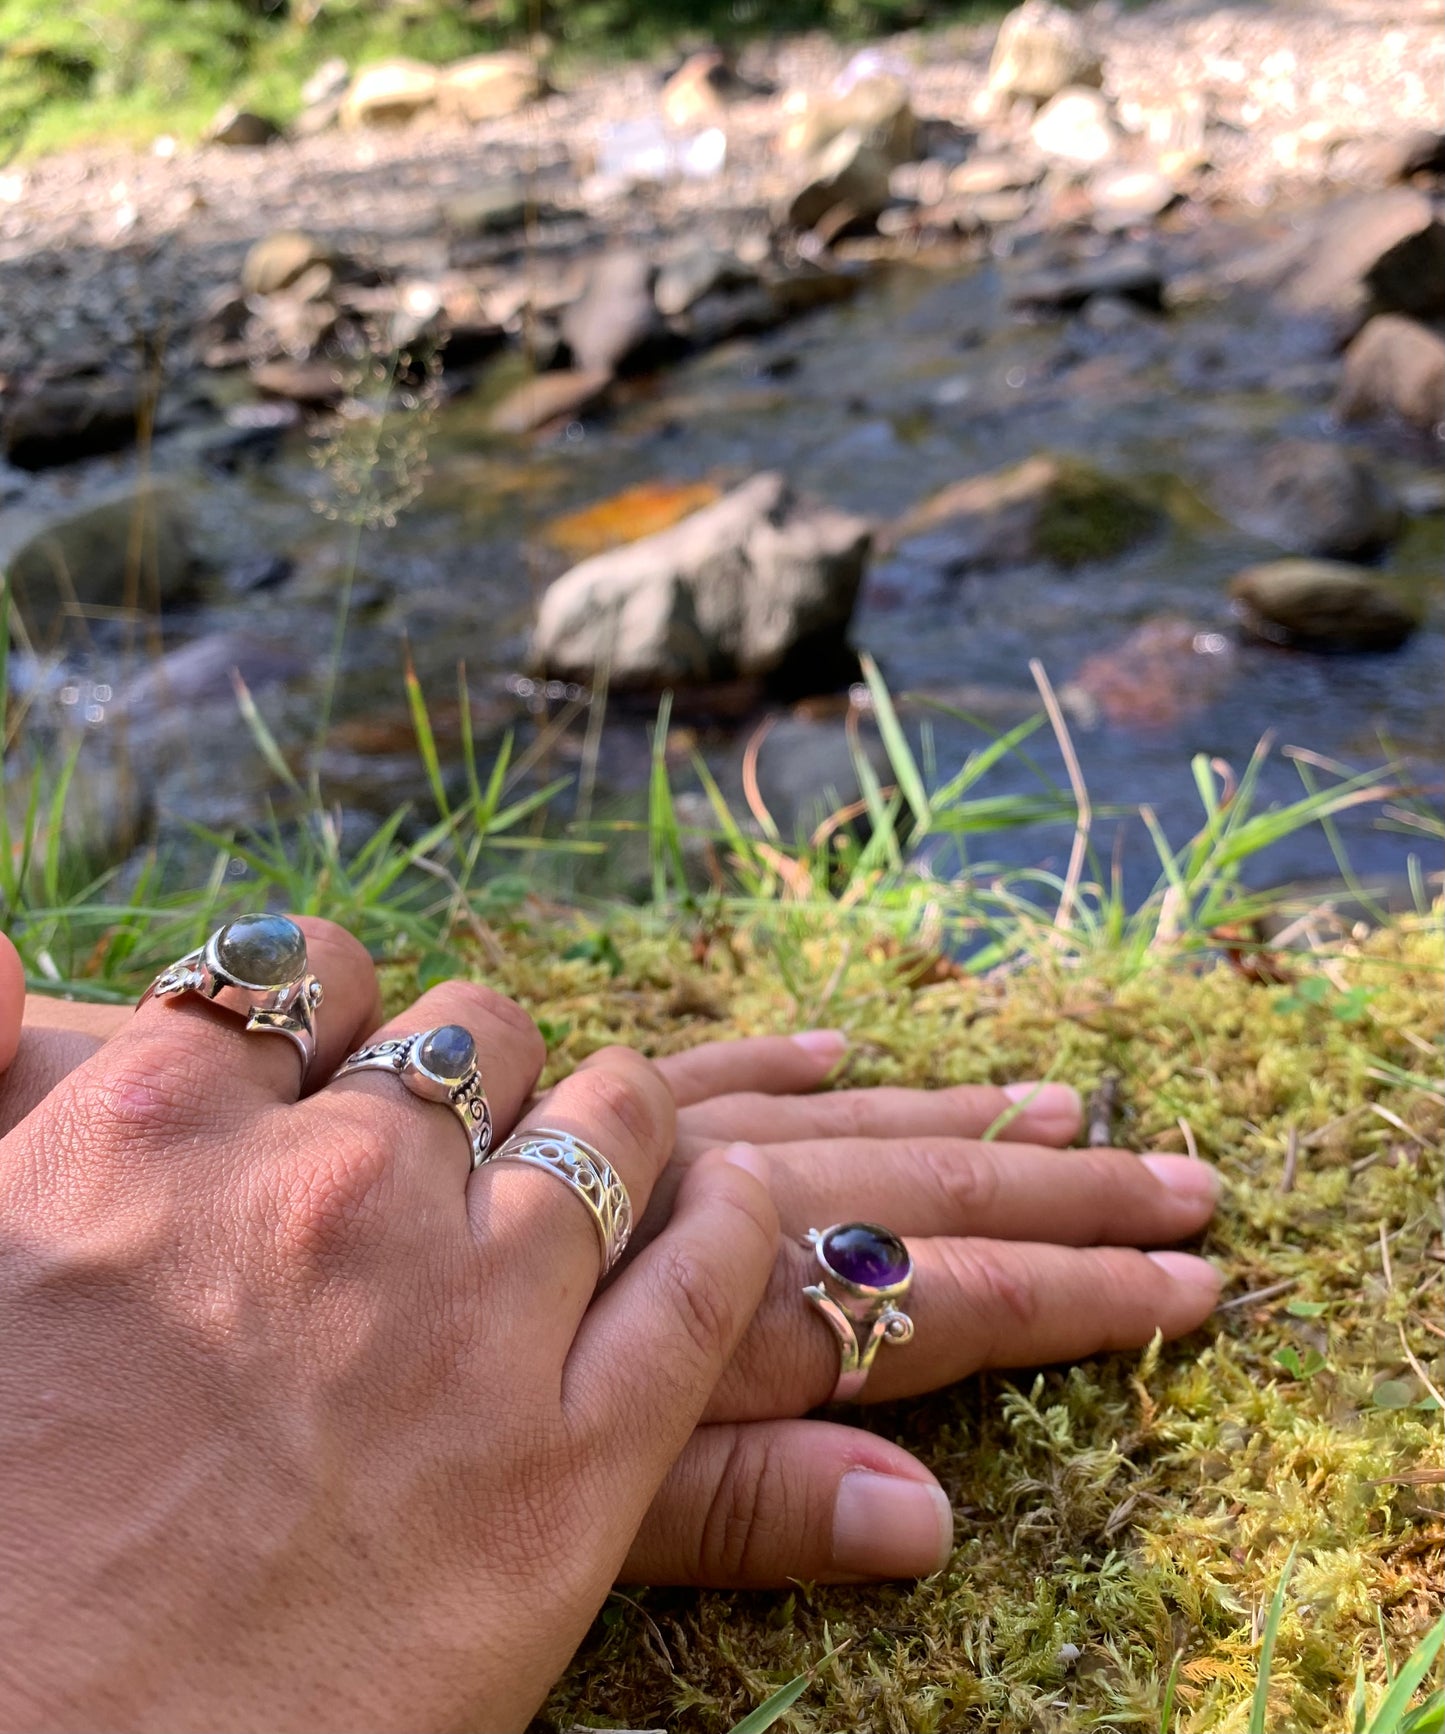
587 1172
467 1098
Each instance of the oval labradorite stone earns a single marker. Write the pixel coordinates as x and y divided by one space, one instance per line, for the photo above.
861 1253
448 1052
262 950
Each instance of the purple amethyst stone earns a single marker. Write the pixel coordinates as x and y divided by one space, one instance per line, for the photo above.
865 1255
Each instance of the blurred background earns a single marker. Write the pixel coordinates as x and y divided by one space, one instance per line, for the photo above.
401 399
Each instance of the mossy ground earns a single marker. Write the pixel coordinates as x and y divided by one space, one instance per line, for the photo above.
1135 1507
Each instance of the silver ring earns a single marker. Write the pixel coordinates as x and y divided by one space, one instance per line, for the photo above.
864 1270
439 1065
589 1174
255 966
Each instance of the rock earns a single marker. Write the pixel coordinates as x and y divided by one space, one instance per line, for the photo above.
1391 158
488 86
762 583
312 384
1046 508
488 210
684 281
278 260
850 177
1394 367
1123 197
132 550
1313 498
1379 253
389 93
1131 273
241 127
60 422
1040 50
614 324
550 397
697 94
327 84
983 175
1076 127
636 512
877 108
1321 605
1164 672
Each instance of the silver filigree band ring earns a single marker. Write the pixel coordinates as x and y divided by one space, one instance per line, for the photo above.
438 1065
863 1270
589 1175
254 966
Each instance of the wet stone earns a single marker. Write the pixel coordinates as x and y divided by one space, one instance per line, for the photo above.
865 1255
262 950
448 1052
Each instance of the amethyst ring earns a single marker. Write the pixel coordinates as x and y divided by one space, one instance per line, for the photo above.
864 1270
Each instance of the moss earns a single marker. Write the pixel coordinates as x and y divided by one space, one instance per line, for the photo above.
1136 1506
1087 516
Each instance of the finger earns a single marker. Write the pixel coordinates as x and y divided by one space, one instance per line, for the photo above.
12 1000
974 1304
206 1054
542 1237
428 1138
755 1506
651 1349
770 1065
76 1017
1029 1113
935 1186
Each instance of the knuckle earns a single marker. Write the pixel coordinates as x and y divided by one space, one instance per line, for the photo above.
996 1290
701 1303
149 1093
750 1514
624 1097
964 1184
478 1005
325 1202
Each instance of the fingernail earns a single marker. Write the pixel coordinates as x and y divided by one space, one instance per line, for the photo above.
1197 1273
1047 1101
823 1044
885 1526
750 1159
1186 1175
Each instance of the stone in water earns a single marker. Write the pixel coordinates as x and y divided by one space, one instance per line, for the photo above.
448 1052
262 950
865 1255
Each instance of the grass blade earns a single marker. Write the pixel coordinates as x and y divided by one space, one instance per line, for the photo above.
1259 1709
756 1721
1390 1718
895 743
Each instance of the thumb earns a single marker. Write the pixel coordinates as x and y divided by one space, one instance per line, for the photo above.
751 1505
12 1001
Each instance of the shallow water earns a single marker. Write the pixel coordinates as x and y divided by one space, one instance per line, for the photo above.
923 379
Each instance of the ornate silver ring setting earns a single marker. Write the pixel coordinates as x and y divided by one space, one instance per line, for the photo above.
254 966
864 1271
587 1172
439 1065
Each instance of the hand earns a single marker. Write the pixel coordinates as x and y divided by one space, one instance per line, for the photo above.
1013 1279
300 1428
1023 1255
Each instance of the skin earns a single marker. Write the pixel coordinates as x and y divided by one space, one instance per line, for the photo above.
304 1427
1022 1257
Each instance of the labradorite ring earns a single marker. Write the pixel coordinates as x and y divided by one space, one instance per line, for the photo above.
863 1271
439 1065
254 966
